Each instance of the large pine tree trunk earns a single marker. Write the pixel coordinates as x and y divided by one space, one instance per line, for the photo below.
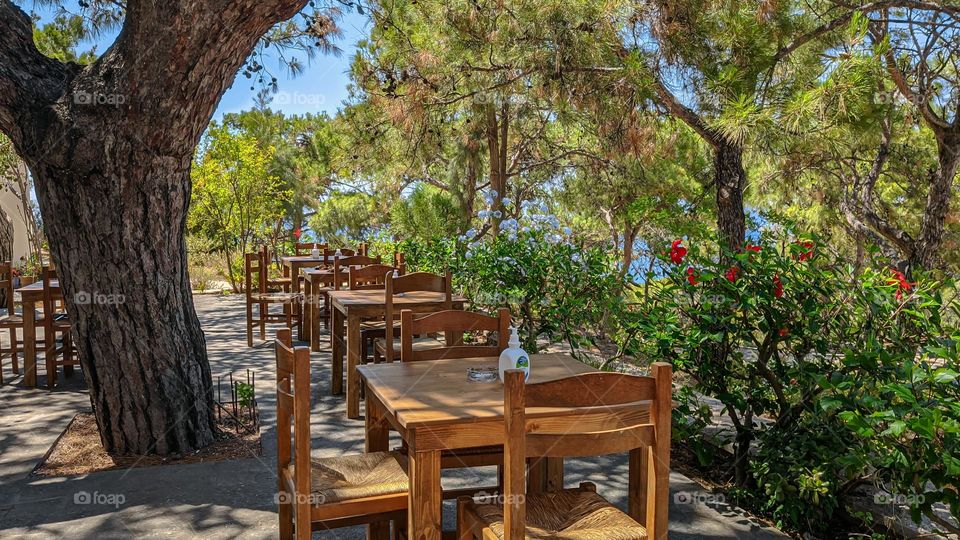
730 178
110 146
123 273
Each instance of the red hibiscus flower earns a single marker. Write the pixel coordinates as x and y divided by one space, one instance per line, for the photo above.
777 286
691 276
753 248
732 274
807 255
784 331
677 251
297 232
900 280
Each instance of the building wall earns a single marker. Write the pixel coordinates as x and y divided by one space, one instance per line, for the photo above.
11 207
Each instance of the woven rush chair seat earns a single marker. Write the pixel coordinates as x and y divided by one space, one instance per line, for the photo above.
355 476
373 325
572 514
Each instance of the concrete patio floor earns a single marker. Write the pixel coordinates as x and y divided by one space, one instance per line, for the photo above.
235 499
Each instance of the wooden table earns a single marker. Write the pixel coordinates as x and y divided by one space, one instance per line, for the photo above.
30 295
292 265
434 408
314 281
348 308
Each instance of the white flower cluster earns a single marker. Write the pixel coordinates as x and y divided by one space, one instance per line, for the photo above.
535 217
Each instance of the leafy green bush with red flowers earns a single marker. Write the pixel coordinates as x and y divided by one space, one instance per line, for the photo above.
782 334
898 397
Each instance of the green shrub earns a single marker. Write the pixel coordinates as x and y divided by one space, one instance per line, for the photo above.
816 366
553 286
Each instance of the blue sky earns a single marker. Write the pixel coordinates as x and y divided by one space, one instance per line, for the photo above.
321 87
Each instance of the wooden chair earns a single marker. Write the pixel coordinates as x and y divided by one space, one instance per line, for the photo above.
274 282
369 277
400 261
9 320
453 323
56 323
341 268
329 253
323 493
610 413
304 248
388 350
258 292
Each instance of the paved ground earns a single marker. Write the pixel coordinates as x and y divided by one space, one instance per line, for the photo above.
235 499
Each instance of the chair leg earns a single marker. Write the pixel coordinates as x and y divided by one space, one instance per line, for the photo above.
13 347
264 314
301 528
326 312
50 357
463 530
286 518
249 324
68 353
400 529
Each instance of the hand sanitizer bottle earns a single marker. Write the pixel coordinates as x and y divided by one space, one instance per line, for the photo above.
513 357
396 274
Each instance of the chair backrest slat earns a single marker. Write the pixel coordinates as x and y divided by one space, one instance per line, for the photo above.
51 303
609 413
344 252
255 273
369 277
6 284
304 248
415 282
453 323
293 406
342 264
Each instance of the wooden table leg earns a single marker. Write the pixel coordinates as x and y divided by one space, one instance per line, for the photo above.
353 360
315 309
377 440
554 474
29 344
638 484
336 362
297 304
545 474
305 311
424 503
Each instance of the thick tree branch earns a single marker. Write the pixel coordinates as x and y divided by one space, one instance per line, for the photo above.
684 113
859 212
938 125
28 79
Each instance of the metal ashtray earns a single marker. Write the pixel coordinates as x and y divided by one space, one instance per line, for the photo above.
487 374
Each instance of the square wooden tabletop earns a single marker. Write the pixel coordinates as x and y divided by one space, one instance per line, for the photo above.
306 259
437 392
371 298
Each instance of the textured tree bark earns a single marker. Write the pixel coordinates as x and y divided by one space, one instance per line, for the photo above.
926 253
110 146
729 174
497 131
730 178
